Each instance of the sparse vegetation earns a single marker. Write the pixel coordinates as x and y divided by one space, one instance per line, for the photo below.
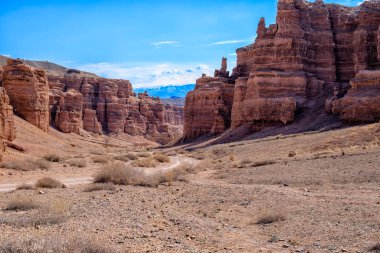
198 156
99 187
26 165
80 163
126 157
52 158
121 174
162 158
54 244
101 159
25 187
292 154
270 215
48 182
143 154
147 162
21 204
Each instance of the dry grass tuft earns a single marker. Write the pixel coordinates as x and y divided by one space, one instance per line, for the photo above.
143 154
121 174
80 163
270 215
101 159
52 158
54 244
292 154
21 204
147 162
162 158
198 156
25 187
99 187
26 165
48 182
126 157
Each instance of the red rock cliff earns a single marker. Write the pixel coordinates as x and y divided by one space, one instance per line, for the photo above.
28 92
110 106
311 54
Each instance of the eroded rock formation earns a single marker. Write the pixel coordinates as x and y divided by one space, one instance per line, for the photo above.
28 92
103 105
310 55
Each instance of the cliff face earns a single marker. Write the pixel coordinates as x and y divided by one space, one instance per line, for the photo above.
311 54
76 100
28 92
110 106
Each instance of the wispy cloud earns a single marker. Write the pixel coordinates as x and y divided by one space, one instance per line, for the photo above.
167 43
150 75
225 42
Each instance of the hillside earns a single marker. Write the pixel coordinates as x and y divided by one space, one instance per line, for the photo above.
49 67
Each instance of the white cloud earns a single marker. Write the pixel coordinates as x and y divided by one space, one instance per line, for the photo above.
150 75
233 54
167 42
225 42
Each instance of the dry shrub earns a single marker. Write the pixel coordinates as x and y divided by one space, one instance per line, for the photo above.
21 204
100 159
162 158
126 157
48 182
25 187
54 244
99 187
52 158
182 151
268 215
80 163
26 165
292 154
170 176
54 212
143 154
121 174
147 162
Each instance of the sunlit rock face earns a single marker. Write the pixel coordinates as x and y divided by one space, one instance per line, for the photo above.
315 51
102 105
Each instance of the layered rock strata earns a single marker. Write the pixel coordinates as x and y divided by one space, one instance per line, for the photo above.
103 105
315 51
28 92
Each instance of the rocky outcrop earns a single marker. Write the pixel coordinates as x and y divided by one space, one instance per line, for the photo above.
28 92
7 124
362 102
101 105
68 114
311 54
208 107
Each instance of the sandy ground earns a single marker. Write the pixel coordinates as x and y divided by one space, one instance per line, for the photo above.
323 186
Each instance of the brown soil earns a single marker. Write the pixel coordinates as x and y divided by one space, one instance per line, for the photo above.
316 192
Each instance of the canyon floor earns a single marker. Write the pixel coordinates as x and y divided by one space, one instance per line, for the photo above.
311 192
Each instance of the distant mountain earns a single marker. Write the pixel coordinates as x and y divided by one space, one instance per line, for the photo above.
170 91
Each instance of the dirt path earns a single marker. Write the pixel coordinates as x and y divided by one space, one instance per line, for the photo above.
176 162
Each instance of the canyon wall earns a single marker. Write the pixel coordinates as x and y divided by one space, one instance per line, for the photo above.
74 100
102 105
315 53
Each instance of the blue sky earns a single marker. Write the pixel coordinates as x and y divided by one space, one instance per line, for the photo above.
150 43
